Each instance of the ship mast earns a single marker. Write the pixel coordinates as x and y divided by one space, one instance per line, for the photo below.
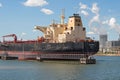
62 16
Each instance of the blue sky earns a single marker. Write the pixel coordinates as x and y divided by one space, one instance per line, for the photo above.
20 16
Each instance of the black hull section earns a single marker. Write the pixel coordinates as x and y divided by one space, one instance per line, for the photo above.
67 51
66 48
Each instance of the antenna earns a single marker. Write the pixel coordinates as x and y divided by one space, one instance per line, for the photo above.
76 10
53 21
62 16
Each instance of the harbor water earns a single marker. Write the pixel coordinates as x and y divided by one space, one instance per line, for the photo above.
106 68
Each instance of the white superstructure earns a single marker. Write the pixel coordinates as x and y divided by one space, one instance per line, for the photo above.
59 33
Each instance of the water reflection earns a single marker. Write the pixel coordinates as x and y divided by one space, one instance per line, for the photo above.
106 68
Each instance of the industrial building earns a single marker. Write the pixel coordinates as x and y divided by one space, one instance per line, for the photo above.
102 41
109 46
113 46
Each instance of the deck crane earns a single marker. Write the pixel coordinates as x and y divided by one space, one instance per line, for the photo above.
11 35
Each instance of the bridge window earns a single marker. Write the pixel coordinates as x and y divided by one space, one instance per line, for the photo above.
67 32
71 28
76 20
83 29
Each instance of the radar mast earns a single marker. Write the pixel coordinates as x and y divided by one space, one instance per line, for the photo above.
62 16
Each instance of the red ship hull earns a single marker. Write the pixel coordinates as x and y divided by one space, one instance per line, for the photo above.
22 55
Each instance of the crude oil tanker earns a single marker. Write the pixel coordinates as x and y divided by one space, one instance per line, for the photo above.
63 41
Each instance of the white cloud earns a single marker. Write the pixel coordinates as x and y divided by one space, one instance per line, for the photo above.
0 5
90 33
82 6
98 30
95 19
95 24
105 22
98 26
84 13
22 34
112 23
95 8
34 30
33 3
95 30
47 11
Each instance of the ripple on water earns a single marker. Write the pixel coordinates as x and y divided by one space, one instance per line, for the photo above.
106 68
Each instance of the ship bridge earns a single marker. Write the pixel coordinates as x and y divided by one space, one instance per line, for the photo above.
59 33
